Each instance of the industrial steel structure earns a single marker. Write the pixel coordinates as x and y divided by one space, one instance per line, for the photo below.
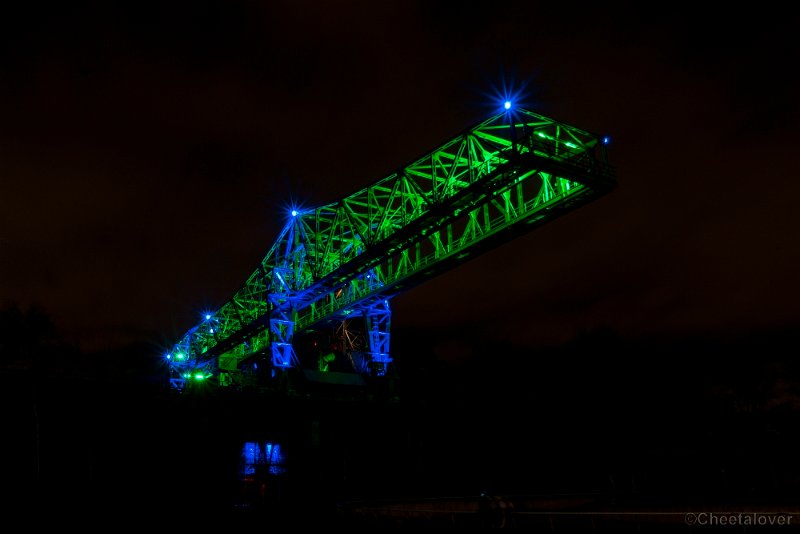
341 263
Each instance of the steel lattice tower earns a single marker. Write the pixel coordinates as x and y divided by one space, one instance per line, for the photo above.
345 260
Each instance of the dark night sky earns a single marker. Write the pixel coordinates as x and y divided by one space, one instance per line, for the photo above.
147 150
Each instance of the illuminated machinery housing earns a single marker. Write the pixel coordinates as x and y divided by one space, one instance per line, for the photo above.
339 265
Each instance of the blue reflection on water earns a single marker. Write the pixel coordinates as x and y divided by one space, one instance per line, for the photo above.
260 457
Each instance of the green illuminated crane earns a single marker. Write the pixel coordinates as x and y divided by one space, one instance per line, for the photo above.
492 182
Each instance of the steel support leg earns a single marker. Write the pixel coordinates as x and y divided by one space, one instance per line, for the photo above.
378 321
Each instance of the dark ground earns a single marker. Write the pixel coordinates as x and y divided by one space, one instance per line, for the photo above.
656 425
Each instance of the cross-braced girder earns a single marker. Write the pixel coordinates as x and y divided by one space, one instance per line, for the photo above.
494 181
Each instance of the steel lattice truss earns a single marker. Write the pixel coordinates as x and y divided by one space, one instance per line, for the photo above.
494 181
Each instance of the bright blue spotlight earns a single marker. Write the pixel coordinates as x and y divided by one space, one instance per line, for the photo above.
168 356
294 213
606 140
208 316
507 105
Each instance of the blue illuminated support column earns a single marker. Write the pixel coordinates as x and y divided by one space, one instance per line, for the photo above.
378 321
281 330
180 365
281 321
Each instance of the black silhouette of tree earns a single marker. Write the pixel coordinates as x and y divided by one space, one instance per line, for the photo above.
25 336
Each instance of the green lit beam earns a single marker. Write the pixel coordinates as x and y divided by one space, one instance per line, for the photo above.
487 185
